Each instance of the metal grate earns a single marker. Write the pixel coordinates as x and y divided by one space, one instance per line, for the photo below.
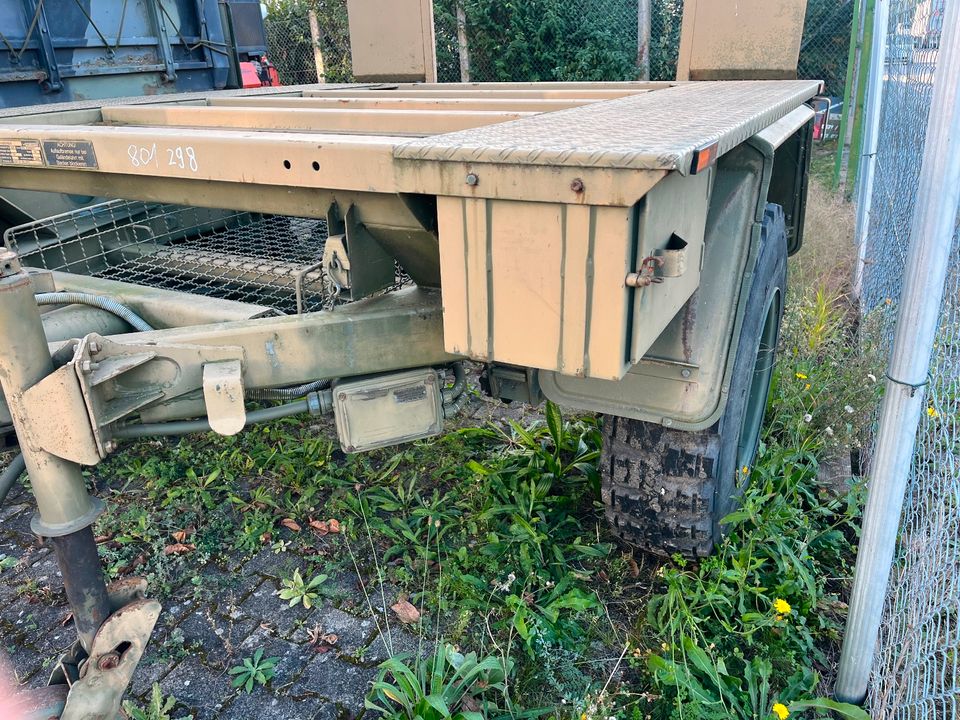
269 260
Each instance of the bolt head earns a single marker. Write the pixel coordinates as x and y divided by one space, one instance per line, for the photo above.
472 179
9 263
94 347
110 445
685 373
667 422
577 185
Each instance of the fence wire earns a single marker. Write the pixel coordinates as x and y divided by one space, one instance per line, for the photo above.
539 40
917 667
292 44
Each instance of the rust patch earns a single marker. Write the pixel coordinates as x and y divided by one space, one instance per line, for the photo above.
689 322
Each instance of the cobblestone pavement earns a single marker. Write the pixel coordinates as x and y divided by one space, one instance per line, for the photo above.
198 640
208 627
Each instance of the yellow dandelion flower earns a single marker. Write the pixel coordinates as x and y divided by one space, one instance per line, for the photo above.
932 412
807 386
801 376
583 717
780 710
782 606
745 470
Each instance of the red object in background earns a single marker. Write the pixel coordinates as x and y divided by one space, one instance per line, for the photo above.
271 72
258 73
249 78
821 106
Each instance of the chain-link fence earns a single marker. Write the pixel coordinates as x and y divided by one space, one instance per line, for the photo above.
826 42
917 666
309 41
540 40
597 40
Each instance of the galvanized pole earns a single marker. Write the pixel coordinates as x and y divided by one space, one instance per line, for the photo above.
868 159
462 45
931 239
643 39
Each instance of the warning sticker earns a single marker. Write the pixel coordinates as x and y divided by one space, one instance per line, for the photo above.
20 152
70 153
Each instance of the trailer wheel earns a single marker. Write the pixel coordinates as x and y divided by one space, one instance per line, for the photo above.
667 490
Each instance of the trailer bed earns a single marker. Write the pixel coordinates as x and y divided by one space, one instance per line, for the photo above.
367 138
539 210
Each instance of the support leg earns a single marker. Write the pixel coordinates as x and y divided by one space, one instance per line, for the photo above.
65 509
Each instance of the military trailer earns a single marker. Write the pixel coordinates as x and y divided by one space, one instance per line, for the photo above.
618 248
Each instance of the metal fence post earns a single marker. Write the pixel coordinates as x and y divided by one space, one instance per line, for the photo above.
931 238
315 41
866 163
643 39
850 91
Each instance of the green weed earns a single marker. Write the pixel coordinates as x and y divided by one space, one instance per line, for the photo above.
444 686
159 707
297 590
256 670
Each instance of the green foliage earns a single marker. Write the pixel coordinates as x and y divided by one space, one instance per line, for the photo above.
747 627
444 686
495 535
826 40
507 533
539 40
552 617
158 708
291 47
297 590
256 670
825 388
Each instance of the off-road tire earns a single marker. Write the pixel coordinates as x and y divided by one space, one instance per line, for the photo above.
666 490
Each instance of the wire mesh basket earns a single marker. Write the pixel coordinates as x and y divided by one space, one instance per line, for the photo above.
269 260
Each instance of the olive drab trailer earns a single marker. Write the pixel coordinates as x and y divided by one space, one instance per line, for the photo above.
344 249
614 247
